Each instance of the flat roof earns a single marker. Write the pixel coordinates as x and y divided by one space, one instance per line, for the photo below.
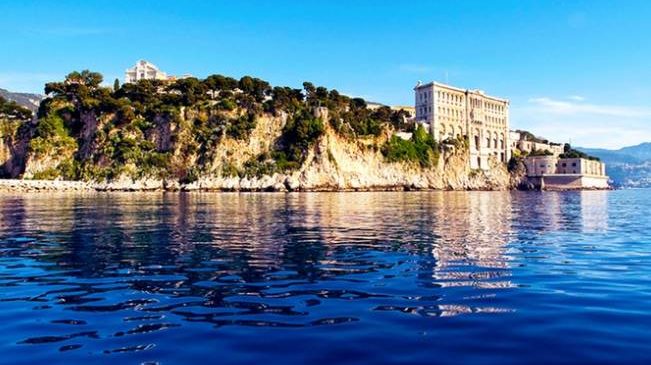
472 91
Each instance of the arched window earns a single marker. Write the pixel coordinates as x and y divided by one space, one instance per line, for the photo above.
476 139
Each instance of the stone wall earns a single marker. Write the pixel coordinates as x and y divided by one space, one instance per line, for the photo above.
569 182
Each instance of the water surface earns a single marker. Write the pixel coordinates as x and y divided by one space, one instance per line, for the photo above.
349 278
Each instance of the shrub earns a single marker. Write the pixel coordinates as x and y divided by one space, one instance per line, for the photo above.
241 127
299 134
226 104
69 169
421 148
50 126
228 170
48 174
397 149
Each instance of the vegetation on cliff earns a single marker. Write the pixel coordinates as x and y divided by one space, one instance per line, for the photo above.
421 148
10 110
175 130
570 152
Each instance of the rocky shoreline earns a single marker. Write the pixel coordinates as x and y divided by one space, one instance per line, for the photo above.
266 184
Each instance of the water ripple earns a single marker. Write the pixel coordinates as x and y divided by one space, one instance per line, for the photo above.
296 278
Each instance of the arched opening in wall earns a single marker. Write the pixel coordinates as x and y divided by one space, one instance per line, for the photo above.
502 157
495 140
488 142
479 162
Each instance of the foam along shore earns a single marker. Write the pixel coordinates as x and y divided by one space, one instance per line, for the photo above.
275 182
16 185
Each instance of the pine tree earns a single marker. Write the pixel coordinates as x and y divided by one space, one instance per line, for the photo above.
116 85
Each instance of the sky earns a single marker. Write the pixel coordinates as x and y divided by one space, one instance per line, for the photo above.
574 71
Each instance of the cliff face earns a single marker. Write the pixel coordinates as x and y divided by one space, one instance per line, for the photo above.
333 163
13 148
223 134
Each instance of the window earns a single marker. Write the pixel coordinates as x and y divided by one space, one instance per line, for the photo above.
564 164
573 164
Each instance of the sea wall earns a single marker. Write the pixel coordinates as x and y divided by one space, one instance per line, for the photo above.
569 182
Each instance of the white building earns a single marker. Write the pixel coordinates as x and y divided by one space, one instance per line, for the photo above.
551 172
453 112
144 70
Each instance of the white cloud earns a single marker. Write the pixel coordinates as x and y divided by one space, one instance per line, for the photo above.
571 108
585 124
576 98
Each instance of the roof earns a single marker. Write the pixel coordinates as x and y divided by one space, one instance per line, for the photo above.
450 87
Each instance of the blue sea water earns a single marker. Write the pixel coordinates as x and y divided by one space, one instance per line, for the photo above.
334 278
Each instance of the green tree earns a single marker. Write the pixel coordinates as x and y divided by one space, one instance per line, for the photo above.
220 83
116 85
191 90
12 111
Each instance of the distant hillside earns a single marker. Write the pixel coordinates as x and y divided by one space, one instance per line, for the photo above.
628 166
29 101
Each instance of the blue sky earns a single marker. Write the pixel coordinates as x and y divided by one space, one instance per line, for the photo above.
573 70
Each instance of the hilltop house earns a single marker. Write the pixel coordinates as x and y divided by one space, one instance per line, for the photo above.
145 70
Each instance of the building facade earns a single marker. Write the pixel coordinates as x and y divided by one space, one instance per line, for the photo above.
451 112
550 172
144 70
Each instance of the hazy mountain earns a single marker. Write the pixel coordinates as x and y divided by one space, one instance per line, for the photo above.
29 101
628 166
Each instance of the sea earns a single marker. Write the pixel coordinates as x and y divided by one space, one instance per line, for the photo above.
326 278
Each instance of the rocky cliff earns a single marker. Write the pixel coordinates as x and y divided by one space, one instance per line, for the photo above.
249 137
332 163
